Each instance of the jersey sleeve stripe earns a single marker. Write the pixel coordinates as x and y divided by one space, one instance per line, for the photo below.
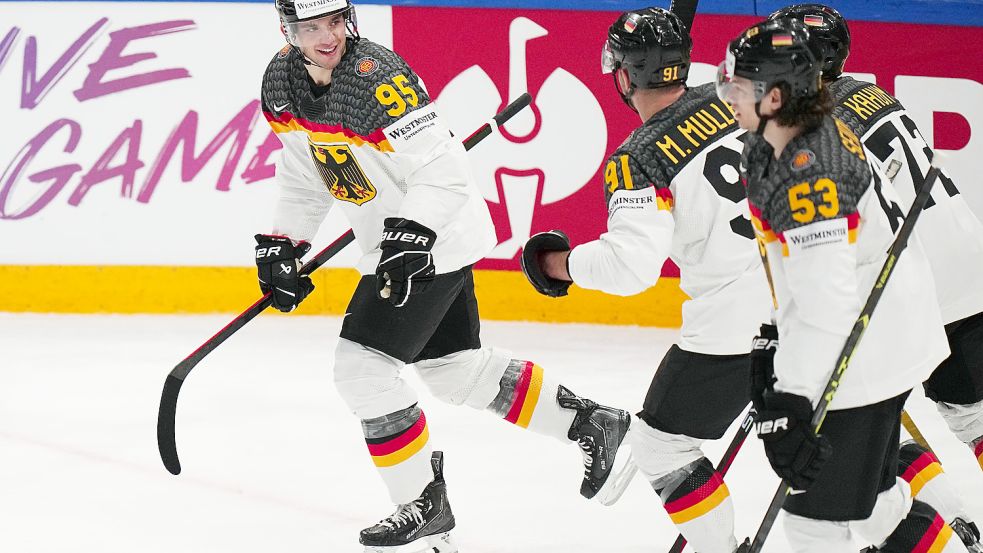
318 132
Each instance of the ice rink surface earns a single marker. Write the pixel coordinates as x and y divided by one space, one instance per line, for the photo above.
273 462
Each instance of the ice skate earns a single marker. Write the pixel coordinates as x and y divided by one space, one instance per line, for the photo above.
420 526
601 433
968 533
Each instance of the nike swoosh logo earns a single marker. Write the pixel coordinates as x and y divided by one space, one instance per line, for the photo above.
281 108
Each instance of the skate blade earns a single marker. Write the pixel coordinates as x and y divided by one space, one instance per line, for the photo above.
437 543
621 474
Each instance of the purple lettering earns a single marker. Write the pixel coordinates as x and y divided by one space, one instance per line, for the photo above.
34 90
112 58
237 129
57 175
101 172
259 167
7 45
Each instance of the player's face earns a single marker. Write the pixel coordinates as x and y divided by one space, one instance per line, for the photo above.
740 94
321 40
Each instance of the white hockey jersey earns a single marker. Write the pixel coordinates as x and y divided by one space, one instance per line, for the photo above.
673 190
950 232
374 143
819 210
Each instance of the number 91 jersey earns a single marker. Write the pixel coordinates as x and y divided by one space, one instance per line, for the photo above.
951 233
373 142
673 189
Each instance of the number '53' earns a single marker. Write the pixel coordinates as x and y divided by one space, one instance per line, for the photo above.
804 209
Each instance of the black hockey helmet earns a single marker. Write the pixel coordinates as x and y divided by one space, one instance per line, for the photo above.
652 45
774 52
828 28
293 12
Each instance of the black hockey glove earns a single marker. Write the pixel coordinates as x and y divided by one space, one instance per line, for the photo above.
552 241
406 266
784 425
278 264
763 363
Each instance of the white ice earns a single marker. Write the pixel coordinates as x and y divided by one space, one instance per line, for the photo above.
273 462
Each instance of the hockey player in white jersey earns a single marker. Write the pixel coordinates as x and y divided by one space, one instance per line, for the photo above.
815 203
953 240
672 190
358 129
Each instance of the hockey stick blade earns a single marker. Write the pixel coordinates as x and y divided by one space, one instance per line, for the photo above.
852 342
167 412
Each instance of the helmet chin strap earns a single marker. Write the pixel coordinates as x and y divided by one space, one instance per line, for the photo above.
626 95
762 119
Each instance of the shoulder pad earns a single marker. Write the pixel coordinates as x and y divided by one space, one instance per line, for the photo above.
860 104
821 175
670 139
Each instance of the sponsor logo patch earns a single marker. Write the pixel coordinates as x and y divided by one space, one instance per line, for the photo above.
803 159
632 199
407 128
815 235
366 66
312 8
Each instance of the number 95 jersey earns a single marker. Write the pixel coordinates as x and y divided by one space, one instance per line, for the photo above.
372 142
673 189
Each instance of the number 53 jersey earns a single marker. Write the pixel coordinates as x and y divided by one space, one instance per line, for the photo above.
673 190
375 144
951 233
822 211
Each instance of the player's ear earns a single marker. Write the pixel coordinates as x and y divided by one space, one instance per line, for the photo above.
772 101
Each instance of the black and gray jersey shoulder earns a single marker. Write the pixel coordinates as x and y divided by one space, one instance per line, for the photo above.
860 104
665 144
820 175
371 88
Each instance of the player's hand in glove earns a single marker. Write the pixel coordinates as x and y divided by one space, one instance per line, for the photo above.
278 264
532 262
795 452
406 266
763 350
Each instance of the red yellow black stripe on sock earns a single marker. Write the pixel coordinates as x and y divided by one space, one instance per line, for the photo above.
978 451
698 502
918 466
935 537
392 450
518 392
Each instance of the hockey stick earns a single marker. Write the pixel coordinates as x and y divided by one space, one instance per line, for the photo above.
852 341
686 10
166 442
725 462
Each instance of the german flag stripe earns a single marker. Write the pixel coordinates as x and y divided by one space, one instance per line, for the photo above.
402 446
320 132
526 397
978 451
935 538
664 199
761 225
852 224
922 471
698 502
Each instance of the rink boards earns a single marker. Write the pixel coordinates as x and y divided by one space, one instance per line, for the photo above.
135 167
